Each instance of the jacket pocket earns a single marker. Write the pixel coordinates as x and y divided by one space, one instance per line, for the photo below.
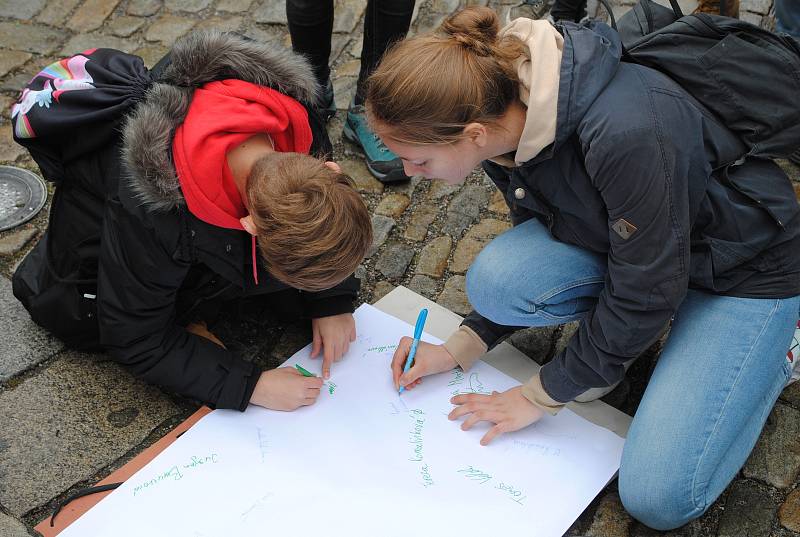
766 185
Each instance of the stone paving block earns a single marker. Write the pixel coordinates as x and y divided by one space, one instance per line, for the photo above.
20 9
440 189
610 519
381 226
30 37
756 6
223 24
474 241
91 15
12 241
752 18
692 529
424 285
191 6
144 8
168 28
776 457
348 13
11 527
567 331
234 6
11 59
382 289
789 512
5 105
749 512
364 181
125 26
81 42
393 205
497 203
67 422
344 88
271 12
534 342
791 394
23 343
465 208
394 260
338 43
9 149
445 6
151 54
427 23
349 68
56 11
454 297
421 219
433 258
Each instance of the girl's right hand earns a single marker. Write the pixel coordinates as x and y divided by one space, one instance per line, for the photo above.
285 389
429 360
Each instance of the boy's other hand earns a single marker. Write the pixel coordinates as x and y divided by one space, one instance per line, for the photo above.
429 360
332 336
285 389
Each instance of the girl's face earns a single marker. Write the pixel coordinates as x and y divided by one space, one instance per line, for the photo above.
451 163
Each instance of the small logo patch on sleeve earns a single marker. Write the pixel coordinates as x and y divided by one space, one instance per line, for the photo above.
623 228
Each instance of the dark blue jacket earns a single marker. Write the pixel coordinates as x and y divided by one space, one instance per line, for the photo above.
631 144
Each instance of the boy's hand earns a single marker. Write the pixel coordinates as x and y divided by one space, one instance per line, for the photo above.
332 335
509 411
285 389
429 360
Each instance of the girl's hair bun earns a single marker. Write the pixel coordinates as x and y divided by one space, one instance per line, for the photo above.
474 28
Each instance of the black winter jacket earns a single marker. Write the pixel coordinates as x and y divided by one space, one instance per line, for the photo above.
631 144
124 266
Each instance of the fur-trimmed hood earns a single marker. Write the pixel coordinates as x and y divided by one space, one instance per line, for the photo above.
194 60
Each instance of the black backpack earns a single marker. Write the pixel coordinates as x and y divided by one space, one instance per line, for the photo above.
747 76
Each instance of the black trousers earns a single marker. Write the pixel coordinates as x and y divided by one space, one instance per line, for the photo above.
570 10
311 27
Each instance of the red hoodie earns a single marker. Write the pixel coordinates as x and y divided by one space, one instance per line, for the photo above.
222 116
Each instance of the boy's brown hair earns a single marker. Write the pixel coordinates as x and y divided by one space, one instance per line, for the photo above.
313 228
428 88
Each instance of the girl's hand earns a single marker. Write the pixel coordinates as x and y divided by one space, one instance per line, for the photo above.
332 335
509 411
285 389
429 360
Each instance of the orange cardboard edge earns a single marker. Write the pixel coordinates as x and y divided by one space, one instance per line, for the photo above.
75 509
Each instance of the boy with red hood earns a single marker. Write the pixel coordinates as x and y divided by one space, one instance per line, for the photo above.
182 189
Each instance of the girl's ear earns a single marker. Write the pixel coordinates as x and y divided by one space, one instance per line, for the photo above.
248 224
477 134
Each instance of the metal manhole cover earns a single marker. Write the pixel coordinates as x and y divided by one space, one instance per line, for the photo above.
22 196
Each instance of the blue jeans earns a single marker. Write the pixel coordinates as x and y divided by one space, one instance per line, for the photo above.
722 368
787 17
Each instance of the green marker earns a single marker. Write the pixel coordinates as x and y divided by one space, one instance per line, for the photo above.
304 371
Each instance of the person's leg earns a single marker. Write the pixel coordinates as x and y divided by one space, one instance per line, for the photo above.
721 370
385 21
311 28
569 10
525 277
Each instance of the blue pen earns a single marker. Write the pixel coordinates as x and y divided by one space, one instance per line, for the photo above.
417 334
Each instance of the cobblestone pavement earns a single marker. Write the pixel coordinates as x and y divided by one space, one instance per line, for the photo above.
67 420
